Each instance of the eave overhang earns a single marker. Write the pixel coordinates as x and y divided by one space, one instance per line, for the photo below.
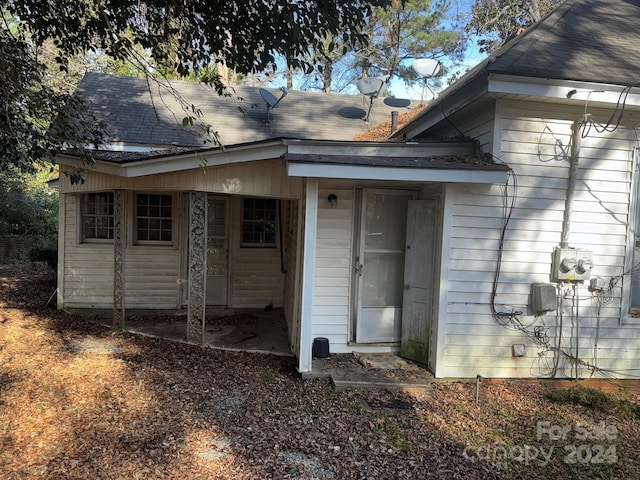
497 85
428 161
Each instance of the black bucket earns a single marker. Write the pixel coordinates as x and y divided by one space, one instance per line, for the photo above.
320 348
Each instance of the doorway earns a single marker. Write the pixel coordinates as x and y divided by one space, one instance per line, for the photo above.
217 251
380 260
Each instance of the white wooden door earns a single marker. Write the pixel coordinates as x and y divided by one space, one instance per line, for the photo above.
418 280
217 251
381 265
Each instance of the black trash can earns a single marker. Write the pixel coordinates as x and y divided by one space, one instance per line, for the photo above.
320 348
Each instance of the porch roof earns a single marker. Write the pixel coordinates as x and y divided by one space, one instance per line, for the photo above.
436 160
445 168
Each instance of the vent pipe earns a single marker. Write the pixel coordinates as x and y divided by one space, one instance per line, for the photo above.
394 121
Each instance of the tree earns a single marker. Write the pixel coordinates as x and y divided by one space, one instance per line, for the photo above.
184 37
405 30
496 21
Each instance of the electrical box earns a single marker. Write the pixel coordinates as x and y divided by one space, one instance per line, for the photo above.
543 297
571 265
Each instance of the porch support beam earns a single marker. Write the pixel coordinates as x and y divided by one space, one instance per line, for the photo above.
305 361
196 306
119 227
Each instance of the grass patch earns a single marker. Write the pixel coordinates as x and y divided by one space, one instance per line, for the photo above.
594 399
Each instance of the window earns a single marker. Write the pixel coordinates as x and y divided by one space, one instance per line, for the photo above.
154 218
97 217
258 222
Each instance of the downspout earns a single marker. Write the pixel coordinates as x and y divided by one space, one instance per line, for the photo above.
574 157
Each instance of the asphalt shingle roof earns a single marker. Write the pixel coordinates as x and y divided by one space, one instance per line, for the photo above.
584 40
144 112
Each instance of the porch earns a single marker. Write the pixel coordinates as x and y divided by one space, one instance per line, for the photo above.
246 330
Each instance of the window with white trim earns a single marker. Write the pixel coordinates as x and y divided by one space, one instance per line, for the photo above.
154 218
97 217
259 217
632 267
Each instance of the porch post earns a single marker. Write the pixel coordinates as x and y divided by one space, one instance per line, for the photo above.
197 266
308 274
119 225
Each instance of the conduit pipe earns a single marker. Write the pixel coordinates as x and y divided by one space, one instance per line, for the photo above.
574 158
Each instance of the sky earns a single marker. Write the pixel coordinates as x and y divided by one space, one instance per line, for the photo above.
399 89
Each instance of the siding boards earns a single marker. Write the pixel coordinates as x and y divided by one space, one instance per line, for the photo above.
536 147
263 178
332 285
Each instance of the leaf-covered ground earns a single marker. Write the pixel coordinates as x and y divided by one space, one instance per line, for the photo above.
80 401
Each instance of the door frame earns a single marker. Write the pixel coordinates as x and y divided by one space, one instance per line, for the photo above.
358 227
227 241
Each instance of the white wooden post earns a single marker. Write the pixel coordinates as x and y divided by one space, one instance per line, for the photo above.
309 261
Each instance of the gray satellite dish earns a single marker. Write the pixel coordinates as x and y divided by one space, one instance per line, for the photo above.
371 87
271 100
427 67
268 97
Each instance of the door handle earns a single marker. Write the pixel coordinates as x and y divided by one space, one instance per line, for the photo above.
359 268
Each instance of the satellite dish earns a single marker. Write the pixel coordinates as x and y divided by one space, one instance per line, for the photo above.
271 100
427 67
371 86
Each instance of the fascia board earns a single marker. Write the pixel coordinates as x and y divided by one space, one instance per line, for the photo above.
560 89
181 162
353 172
199 160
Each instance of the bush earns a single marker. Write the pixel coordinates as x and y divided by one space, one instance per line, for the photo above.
45 254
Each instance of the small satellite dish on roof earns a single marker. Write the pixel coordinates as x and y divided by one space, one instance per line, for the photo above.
427 67
372 87
271 100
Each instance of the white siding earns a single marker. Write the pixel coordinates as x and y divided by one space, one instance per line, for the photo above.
332 284
534 141
152 273
291 288
261 178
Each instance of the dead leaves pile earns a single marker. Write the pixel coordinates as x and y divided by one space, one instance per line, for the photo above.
80 401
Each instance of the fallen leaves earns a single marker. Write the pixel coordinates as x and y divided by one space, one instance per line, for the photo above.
78 400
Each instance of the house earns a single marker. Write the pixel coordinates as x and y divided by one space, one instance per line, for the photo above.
508 252
290 213
560 106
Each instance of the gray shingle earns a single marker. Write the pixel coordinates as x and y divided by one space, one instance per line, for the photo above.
585 40
147 113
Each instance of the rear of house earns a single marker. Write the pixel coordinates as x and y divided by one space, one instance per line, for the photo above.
567 219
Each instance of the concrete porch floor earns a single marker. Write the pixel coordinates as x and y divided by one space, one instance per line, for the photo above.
260 331
372 371
250 330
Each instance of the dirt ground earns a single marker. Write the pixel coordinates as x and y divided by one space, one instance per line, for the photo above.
80 401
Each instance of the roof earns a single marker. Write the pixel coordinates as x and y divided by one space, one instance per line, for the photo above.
581 41
138 111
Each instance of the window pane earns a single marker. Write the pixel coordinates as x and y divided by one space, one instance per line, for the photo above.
97 216
259 221
154 217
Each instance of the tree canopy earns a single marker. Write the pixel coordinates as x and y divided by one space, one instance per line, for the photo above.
182 37
495 21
